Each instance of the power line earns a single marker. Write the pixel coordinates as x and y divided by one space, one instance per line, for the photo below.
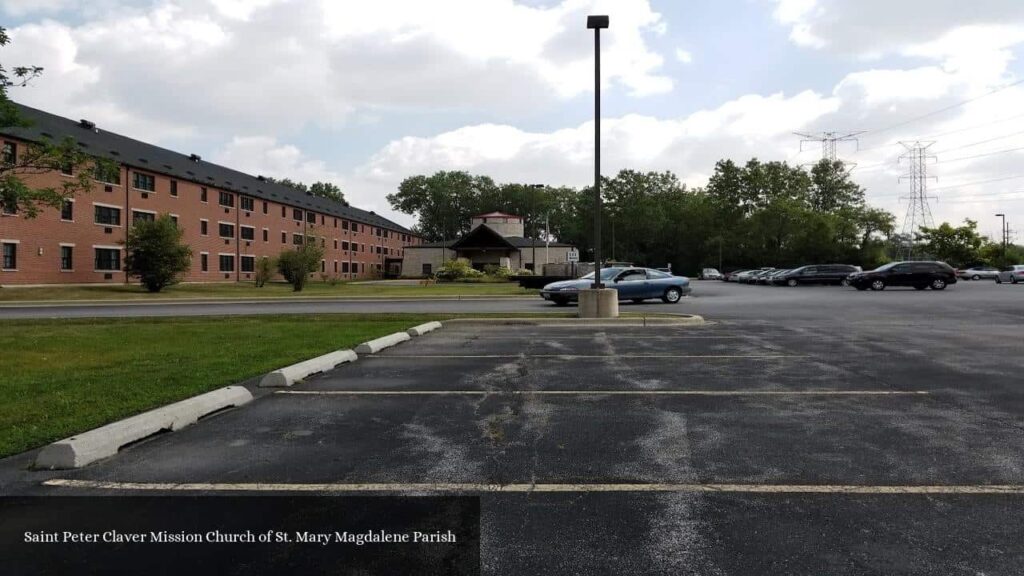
946 108
986 141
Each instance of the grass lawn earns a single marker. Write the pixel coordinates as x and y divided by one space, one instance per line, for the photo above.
248 290
61 377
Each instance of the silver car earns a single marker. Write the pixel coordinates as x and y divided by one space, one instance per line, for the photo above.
1013 274
978 273
636 284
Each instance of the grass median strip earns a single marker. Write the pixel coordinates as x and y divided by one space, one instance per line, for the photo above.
61 377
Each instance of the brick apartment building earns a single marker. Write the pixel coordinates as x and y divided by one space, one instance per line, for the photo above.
229 218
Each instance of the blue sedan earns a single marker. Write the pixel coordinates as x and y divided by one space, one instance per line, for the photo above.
636 284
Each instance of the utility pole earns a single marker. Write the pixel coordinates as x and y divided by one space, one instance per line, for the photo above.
828 141
919 212
597 23
1003 231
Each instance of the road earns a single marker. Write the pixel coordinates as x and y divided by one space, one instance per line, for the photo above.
802 431
713 299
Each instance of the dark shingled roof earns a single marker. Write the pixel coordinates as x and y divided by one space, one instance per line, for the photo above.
124 150
517 241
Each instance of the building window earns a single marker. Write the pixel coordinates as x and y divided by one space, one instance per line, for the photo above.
284 211
144 182
108 259
108 216
226 230
335 222
344 267
248 233
248 204
174 219
67 210
248 263
266 235
67 169
284 237
297 239
226 199
202 195
174 188
265 207
323 266
204 227
67 260
344 224
204 262
10 153
311 217
142 216
10 209
344 245
227 263
297 214
10 256
428 269
335 243
107 174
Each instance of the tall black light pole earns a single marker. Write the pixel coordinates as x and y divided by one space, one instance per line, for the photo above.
533 222
1002 231
596 23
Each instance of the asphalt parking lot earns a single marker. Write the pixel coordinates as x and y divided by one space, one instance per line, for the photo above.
889 440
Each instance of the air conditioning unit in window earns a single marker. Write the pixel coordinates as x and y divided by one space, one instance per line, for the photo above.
144 195
108 230
108 188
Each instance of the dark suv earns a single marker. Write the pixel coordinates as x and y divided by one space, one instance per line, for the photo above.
920 275
820 274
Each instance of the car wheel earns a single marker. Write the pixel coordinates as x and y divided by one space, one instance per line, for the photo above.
560 301
672 295
999 280
938 284
975 277
844 282
1013 279
878 284
791 282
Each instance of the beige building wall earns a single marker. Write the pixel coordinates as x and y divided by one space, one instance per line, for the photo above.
415 258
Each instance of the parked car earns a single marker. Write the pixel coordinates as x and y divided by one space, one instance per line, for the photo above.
978 273
816 274
709 274
731 276
919 274
636 284
1013 274
756 276
769 278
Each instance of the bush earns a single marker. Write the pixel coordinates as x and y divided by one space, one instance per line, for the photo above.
453 270
264 271
156 255
524 272
296 265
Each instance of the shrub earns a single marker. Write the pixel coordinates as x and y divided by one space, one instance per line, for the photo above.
524 272
455 270
264 271
296 265
156 255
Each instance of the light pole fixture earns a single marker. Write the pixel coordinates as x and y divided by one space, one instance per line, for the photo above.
596 23
1002 232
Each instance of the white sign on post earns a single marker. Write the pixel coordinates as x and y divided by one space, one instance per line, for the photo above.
573 255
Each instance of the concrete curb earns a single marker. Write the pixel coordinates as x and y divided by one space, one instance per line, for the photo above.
290 374
423 328
374 346
88 447
680 320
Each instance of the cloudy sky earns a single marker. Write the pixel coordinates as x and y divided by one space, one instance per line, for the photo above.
367 93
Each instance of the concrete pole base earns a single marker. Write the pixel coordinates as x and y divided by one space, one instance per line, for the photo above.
599 303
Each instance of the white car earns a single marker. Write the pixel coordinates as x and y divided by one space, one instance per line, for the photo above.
709 274
1013 274
978 273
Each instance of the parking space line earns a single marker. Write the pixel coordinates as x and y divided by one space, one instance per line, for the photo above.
463 487
573 356
604 392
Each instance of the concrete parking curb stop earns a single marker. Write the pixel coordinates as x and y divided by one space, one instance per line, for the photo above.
378 344
290 374
103 442
423 328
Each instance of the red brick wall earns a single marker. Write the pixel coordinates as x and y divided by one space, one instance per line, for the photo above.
39 239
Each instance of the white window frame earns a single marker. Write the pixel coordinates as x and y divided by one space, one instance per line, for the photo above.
201 254
15 242
120 259
233 226
72 246
143 190
207 234
72 200
118 225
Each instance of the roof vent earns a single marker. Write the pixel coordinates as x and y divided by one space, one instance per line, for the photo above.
86 124
261 178
195 157
115 153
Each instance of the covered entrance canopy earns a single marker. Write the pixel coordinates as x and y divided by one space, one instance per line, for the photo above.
483 246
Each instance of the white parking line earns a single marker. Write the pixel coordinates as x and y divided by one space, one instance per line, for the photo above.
447 487
574 356
603 392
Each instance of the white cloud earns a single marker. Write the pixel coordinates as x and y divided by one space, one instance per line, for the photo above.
264 155
684 56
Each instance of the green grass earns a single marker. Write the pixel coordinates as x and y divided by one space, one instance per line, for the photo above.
248 290
61 377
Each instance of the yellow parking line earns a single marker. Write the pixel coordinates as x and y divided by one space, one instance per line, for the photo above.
603 392
449 487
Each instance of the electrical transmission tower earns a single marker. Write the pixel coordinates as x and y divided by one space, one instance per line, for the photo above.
919 212
828 141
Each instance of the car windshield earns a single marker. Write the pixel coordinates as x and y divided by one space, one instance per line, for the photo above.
606 274
884 267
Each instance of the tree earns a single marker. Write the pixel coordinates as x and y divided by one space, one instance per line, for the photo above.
156 254
321 189
264 271
18 194
957 246
296 265
831 187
